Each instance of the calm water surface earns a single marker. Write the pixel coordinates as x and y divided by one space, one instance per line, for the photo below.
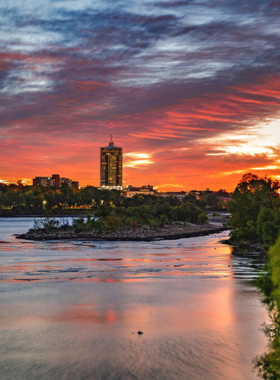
72 310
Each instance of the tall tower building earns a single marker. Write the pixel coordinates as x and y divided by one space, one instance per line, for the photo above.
111 165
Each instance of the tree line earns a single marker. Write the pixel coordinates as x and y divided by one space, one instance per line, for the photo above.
29 200
36 200
158 213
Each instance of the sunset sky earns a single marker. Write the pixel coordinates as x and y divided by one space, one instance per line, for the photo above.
192 88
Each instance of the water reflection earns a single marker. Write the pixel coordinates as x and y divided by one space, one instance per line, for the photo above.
72 310
45 261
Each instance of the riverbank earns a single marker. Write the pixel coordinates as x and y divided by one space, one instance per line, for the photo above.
168 232
247 247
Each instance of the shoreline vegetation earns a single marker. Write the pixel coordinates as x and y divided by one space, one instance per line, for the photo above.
255 223
268 364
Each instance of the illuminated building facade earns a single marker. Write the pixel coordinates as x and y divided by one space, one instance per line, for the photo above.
130 191
111 166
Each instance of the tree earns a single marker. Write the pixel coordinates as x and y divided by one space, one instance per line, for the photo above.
112 222
211 200
202 218
255 209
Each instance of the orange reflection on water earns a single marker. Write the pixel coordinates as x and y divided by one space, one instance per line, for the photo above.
207 311
86 313
82 279
111 317
202 273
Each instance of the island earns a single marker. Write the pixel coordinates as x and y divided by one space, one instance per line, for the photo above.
141 218
169 231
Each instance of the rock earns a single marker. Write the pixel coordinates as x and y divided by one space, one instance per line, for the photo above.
225 241
140 332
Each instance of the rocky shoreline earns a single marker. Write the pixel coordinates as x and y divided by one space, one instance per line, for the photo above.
168 232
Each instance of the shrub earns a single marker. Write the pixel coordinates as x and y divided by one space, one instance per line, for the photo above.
97 224
133 224
243 234
153 223
79 224
46 224
112 223
202 218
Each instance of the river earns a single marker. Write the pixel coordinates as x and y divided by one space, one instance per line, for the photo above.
72 310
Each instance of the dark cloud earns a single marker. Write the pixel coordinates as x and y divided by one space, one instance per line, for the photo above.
174 4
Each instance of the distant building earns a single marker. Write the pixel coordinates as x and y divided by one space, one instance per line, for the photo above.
225 199
42 181
130 191
178 194
197 194
65 182
55 181
75 184
111 166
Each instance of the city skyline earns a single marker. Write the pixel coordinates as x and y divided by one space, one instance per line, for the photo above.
193 89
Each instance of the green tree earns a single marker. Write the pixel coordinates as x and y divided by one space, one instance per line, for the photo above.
255 210
202 218
112 222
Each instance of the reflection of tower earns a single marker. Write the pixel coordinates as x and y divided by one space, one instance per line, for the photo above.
111 165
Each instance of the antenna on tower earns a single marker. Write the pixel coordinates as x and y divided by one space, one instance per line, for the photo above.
111 143
111 129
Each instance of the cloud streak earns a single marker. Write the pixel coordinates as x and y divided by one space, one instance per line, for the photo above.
184 83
